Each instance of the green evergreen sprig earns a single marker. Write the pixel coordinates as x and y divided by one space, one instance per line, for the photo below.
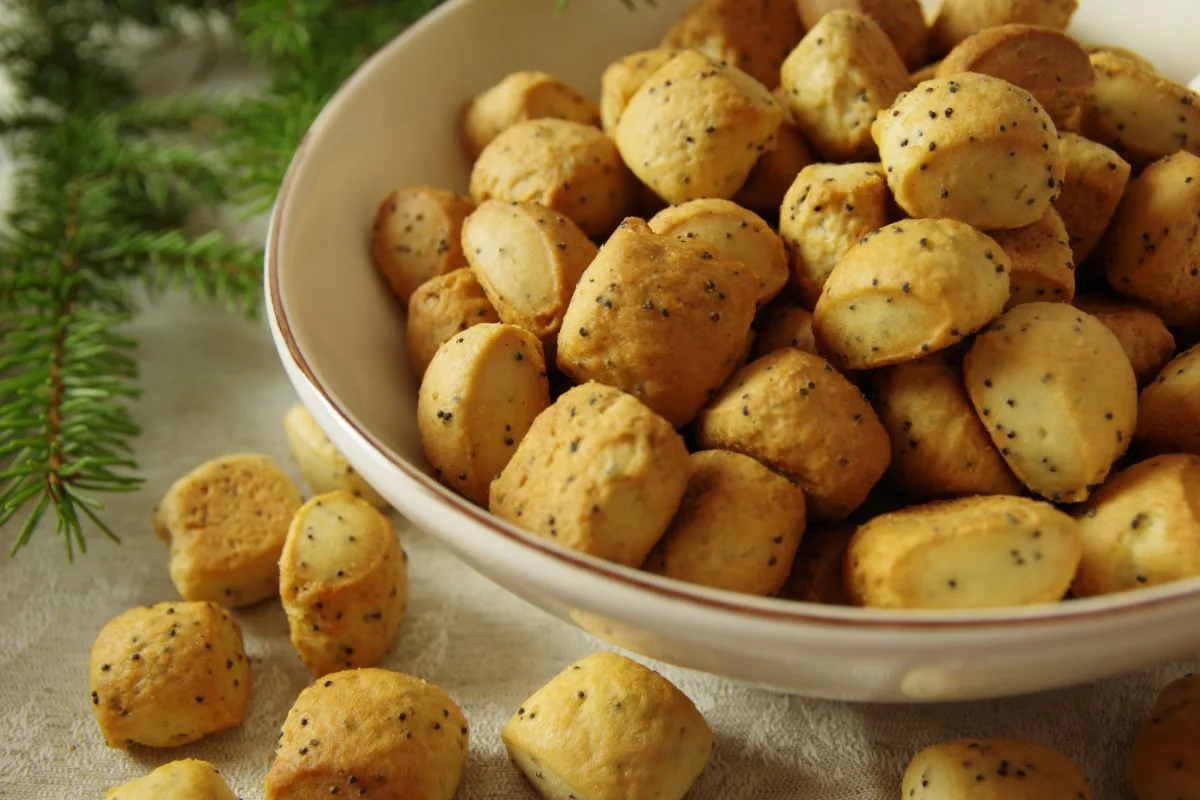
311 49
96 181
106 186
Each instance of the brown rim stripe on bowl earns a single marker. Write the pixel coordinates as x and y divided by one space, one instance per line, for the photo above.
1075 610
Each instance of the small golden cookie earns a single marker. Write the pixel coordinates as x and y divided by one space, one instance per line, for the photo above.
344 583
775 171
1153 246
730 233
784 324
747 351
1142 528
661 319
1145 339
754 37
621 80
1139 113
842 73
902 20
737 528
976 552
780 96
440 308
188 779
417 236
1043 267
607 728
1123 52
1057 394
817 572
369 733
796 414
478 398
972 148
598 472
1168 419
1179 694
1093 183
958 19
1074 121
925 73
908 289
519 97
528 260
939 446
995 769
167 675
696 128
323 467
226 521
569 167
1166 754
827 210
1048 63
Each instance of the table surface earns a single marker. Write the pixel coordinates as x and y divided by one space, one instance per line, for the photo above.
214 385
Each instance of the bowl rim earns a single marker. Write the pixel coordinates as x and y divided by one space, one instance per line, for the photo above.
1092 609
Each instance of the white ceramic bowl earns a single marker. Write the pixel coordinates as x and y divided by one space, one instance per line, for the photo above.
341 338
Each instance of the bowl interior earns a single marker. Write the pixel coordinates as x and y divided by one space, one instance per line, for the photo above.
395 124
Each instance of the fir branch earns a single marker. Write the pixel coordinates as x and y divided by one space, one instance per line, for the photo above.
183 114
48 54
25 123
66 372
105 186
211 267
262 133
283 29
160 14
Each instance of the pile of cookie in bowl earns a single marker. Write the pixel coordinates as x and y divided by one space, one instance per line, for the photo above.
779 315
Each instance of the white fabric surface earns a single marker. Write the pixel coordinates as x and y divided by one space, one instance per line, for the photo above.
214 385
